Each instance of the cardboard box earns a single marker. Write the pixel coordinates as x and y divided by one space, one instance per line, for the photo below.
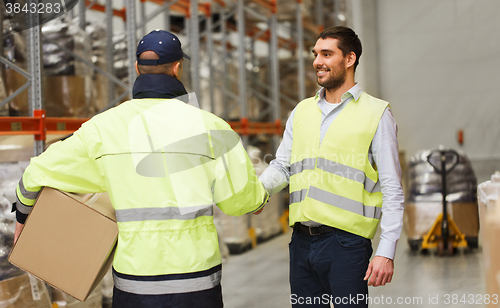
420 216
67 243
24 292
65 96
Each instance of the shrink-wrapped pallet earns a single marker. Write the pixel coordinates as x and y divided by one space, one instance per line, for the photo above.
425 181
14 50
233 230
100 82
67 80
424 197
489 212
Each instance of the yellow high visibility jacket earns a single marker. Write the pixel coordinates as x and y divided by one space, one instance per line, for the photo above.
335 184
163 163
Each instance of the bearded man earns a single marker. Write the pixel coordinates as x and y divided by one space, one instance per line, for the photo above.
339 155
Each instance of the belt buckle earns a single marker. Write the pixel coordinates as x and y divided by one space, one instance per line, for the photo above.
311 232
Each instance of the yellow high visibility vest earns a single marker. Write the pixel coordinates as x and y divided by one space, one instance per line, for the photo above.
164 164
335 183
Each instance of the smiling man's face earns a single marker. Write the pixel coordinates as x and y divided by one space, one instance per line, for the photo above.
329 63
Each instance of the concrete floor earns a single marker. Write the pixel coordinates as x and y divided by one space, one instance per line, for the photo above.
259 278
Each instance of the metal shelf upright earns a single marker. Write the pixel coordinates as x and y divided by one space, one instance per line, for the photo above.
34 80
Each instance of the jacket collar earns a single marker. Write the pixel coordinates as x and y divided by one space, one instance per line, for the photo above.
157 86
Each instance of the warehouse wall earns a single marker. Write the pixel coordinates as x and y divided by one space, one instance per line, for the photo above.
439 67
363 19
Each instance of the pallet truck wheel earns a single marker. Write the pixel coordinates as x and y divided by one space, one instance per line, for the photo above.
472 242
440 248
414 245
451 249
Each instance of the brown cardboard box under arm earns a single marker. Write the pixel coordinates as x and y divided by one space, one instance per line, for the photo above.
66 243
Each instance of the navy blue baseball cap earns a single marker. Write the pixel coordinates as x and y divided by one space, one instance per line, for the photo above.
165 44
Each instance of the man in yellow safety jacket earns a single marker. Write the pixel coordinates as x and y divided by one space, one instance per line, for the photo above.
164 163
340 156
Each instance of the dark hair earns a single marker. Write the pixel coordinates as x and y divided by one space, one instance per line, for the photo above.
348 41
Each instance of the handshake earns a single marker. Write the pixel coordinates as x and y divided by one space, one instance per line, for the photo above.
259 211
266 199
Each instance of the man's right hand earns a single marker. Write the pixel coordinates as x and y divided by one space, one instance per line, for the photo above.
19 227
259 211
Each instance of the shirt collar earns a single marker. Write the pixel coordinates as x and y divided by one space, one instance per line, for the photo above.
355 92
157 86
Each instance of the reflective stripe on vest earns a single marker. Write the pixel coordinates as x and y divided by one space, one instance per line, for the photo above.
337 169
344 203
168 286
298 196
163 213
305 164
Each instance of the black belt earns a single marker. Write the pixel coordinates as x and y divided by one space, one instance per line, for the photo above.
312 230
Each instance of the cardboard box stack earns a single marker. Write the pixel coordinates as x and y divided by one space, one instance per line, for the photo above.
489 213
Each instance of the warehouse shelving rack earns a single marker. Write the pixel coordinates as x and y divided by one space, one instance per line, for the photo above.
269 94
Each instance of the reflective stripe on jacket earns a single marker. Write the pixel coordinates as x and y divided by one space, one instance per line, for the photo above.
334 183
164 163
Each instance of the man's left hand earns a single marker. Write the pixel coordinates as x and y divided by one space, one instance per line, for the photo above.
380 269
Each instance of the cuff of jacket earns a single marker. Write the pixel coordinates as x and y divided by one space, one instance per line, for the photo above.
266 198
20 217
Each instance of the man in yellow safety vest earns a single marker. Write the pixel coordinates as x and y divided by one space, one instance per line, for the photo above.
340 156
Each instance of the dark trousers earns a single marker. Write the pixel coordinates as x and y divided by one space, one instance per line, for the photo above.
329 267
211 298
